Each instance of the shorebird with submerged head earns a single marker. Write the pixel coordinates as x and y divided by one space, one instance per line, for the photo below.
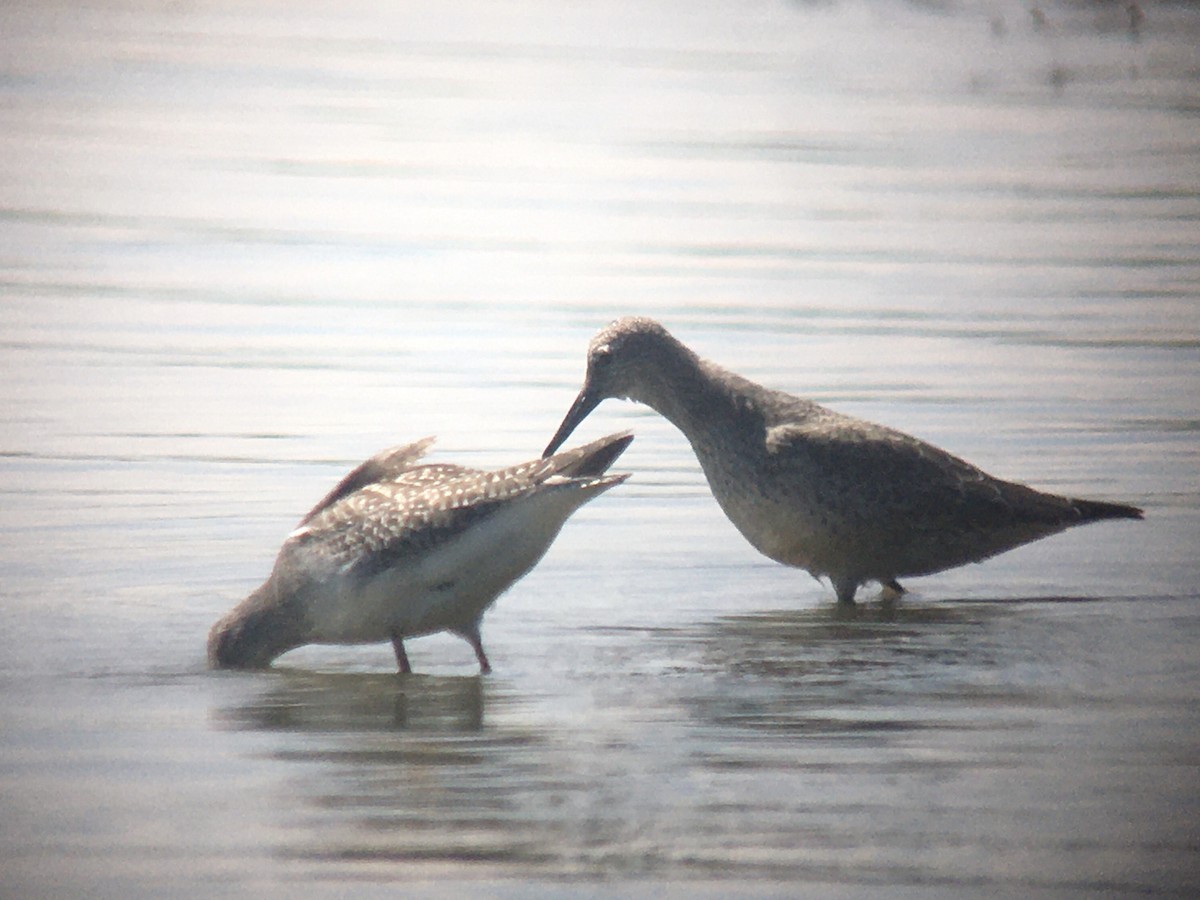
399 550
809 487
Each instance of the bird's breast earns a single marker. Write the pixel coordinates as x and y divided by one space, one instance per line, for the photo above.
783 512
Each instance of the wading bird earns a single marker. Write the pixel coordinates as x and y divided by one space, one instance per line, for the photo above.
809 487
398 550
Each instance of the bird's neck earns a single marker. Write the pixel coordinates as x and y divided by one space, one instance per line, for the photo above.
262 627
700 398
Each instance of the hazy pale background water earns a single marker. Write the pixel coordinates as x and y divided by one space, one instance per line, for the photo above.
244 245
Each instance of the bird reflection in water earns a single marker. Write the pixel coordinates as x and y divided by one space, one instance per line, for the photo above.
350 702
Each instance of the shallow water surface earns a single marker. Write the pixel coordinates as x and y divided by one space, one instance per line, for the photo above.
243 248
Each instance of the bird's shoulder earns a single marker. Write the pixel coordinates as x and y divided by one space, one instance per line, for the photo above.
846 448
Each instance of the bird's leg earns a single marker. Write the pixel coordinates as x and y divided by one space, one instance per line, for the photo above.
401 656
845 587
892 590
470 634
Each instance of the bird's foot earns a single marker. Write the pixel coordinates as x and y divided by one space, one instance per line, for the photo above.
471 636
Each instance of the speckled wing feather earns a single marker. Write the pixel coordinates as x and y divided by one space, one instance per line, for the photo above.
383 465
414 508
382 524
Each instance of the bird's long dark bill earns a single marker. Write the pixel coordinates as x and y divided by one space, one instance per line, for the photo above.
579 410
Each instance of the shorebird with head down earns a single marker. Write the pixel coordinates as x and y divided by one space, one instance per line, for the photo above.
398 550
809 487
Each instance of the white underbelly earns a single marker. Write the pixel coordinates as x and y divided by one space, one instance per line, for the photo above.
444 588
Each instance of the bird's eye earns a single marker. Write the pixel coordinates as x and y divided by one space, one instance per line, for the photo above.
602 356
